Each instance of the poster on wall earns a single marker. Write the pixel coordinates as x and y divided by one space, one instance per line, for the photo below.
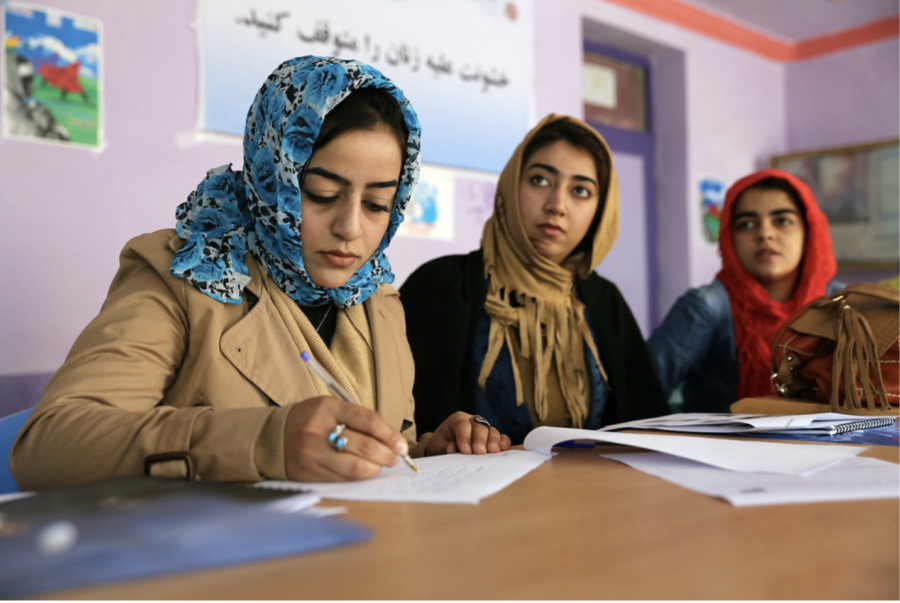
475 195
711 193
857 187
468 69
52 89
429 214
442 192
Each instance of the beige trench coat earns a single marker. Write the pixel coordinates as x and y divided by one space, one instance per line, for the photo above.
169 381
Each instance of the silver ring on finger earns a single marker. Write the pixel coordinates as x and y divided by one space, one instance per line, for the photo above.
340 443
482 420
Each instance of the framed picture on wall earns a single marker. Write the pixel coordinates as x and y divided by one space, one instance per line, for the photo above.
52 84
858 188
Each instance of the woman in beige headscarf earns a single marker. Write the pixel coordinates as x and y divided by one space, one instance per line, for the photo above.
522 332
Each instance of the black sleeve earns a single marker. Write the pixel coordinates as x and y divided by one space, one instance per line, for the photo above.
635 389
436 302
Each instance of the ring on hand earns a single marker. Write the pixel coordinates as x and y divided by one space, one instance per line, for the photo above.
482 420
340 444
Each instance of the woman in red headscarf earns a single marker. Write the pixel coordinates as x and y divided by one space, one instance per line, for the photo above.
776 256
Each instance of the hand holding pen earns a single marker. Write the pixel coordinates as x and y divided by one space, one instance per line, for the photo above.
336 437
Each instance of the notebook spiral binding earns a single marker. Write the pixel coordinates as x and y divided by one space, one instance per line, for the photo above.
863 424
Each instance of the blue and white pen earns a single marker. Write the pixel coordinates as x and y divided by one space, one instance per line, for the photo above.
323 374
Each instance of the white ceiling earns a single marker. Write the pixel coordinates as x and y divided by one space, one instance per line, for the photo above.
795 20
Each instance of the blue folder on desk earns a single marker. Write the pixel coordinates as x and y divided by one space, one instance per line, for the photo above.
137 527
889 435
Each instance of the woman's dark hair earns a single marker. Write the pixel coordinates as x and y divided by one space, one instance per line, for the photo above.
364 109
774 183
580 138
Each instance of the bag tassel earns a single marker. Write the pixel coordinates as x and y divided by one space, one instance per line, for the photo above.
854 356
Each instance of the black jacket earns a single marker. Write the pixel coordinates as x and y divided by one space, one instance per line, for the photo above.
443 300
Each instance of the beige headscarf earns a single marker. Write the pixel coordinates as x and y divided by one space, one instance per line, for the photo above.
549 321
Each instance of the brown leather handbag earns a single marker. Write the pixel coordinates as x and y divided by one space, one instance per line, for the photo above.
839 353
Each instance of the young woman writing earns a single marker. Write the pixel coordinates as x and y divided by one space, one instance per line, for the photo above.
192 368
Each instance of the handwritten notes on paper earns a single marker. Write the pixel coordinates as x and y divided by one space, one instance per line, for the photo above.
450 478
764 457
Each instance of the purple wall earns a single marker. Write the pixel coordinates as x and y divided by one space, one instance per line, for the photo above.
844 98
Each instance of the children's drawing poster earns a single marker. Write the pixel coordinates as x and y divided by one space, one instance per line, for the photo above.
711 192
441 194
52 88
430 211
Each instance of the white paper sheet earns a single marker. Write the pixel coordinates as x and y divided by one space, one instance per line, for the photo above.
767 457
450 478
14 495
301 502
857 478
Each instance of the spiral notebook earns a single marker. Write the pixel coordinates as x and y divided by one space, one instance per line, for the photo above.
829 423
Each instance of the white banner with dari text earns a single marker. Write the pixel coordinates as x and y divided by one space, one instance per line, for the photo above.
467 66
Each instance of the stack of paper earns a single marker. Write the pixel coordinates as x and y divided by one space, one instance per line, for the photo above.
830 423
857 478
752 456
744 472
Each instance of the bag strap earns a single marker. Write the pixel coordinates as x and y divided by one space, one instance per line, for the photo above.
868 289
854 355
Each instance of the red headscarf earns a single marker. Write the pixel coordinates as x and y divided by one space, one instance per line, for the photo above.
756 315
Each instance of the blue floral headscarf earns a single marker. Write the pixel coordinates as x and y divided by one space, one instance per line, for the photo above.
258 209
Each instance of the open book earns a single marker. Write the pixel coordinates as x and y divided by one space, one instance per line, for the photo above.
829 423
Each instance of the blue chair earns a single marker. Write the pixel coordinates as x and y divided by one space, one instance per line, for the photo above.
9 429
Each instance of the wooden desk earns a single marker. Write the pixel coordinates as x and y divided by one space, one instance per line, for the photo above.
578 527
